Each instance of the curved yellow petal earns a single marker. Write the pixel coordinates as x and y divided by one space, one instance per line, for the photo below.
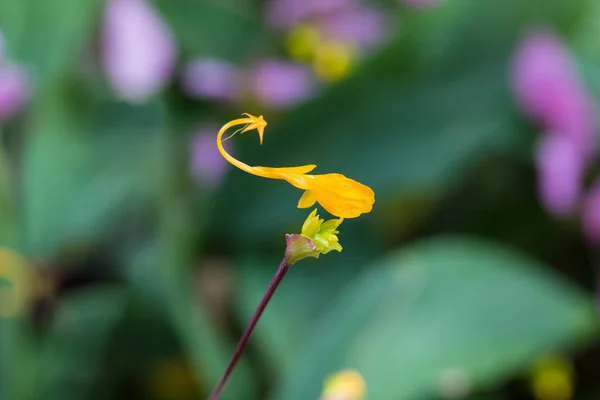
291 174
341 196
307 200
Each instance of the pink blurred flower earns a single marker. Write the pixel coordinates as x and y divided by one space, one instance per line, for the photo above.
283 14
211 79
207 165
138 49
560 173
14 91
361 26
281 84
591 214
549 90
421 3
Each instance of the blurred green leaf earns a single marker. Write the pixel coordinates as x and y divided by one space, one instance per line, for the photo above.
6 199
437 306
73 352
82 168
225 29
46 36
65 362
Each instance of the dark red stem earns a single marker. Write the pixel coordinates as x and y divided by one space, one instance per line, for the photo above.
277 278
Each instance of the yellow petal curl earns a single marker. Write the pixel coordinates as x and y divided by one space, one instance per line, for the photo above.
340 196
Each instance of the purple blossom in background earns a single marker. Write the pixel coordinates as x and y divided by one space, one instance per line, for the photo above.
421 3
591 214
14 91
207 165
14 86
138 49
549 90
560 173
361 26
284 14
281 84
211 79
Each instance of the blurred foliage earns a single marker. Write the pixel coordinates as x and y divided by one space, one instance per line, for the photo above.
97 194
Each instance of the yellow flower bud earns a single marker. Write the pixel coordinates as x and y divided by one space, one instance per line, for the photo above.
322 234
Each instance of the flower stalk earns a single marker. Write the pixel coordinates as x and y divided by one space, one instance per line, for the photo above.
277 278
297 248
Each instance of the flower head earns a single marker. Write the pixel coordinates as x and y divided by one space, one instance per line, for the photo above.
138 49
281 84
339 195
549 90
560 173
14 91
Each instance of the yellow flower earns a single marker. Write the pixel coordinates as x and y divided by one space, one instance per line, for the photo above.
333 60
303 41
339 195
345 385
552 379
18 283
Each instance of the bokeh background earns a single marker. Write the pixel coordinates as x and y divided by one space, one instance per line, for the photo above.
132 256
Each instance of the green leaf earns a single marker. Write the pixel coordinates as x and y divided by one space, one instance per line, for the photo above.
6 201
46 36
65 362
224 29
445 304
81 168
72 354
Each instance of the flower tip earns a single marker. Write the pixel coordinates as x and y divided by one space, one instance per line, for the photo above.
257 123
261 132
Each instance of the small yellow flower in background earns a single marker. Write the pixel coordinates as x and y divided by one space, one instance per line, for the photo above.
302 42
344 385
323 235
172 379
340 196
552 378
18 283
333 60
